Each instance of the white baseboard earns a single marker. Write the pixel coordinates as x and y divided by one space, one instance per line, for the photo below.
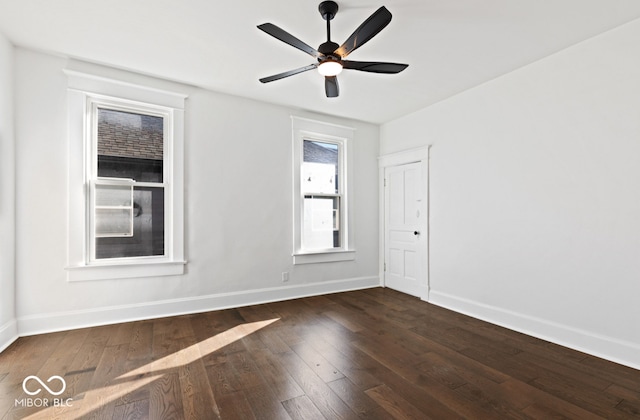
62 321
615 350
8 334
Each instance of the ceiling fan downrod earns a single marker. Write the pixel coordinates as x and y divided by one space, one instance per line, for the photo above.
328 10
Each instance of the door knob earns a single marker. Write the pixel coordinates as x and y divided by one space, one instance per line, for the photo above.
415 232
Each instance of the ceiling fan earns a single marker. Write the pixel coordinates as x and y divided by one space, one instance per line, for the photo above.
331 56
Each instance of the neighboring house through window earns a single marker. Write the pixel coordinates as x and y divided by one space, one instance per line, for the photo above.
126 177
322 225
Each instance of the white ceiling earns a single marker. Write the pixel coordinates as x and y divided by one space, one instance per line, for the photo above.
450 46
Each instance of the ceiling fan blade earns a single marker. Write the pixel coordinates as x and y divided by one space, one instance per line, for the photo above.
374 67
288 73
286 37
369 28
331 86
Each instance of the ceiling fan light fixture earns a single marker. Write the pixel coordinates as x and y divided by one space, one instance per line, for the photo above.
330 57
330 68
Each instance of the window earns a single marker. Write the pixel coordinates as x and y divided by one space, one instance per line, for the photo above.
321 207
127 192
125 183
321 187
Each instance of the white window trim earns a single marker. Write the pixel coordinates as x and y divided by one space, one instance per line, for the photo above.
307 129
84 88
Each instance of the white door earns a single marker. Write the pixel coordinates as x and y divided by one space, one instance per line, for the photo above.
405 229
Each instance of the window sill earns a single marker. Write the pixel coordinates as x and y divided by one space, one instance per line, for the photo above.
323 256
125 270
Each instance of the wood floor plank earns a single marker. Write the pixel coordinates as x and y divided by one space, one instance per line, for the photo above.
623 392
343 320
236 406
387 352
264 405
545 403
359 369
317 362
91 350
430 395
318 303
268 336
78 383
137 410
197 395
492 400
245 370
562 370
61 357
222 379
301 408
20 363
453 367
273 342
122 334
592 400
516 368
283 386
165 401
359 402
389 300
140 341
366 372
111 365
613 372
394 404
536 411
329 404
628 408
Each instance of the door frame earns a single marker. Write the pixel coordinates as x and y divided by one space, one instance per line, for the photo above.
417 155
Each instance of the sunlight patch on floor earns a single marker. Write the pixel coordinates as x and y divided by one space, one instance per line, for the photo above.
137 378
194 352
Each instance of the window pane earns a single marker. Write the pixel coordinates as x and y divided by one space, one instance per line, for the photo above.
113 222
148 228
321 222
320 167
113 195
130 145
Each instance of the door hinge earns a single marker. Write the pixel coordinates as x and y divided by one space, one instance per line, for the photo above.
385 182
385 267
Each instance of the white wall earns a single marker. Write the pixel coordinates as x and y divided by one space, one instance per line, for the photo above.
238 210
535 203
8 328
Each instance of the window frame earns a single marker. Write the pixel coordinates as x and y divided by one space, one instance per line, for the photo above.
93 105
307 129
339 194
87 92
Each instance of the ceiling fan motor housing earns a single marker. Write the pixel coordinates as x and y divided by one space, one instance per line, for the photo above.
327 49
328 9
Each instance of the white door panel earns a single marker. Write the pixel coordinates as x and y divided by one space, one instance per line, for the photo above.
405 229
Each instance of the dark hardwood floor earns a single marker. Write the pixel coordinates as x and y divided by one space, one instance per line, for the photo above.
374 354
